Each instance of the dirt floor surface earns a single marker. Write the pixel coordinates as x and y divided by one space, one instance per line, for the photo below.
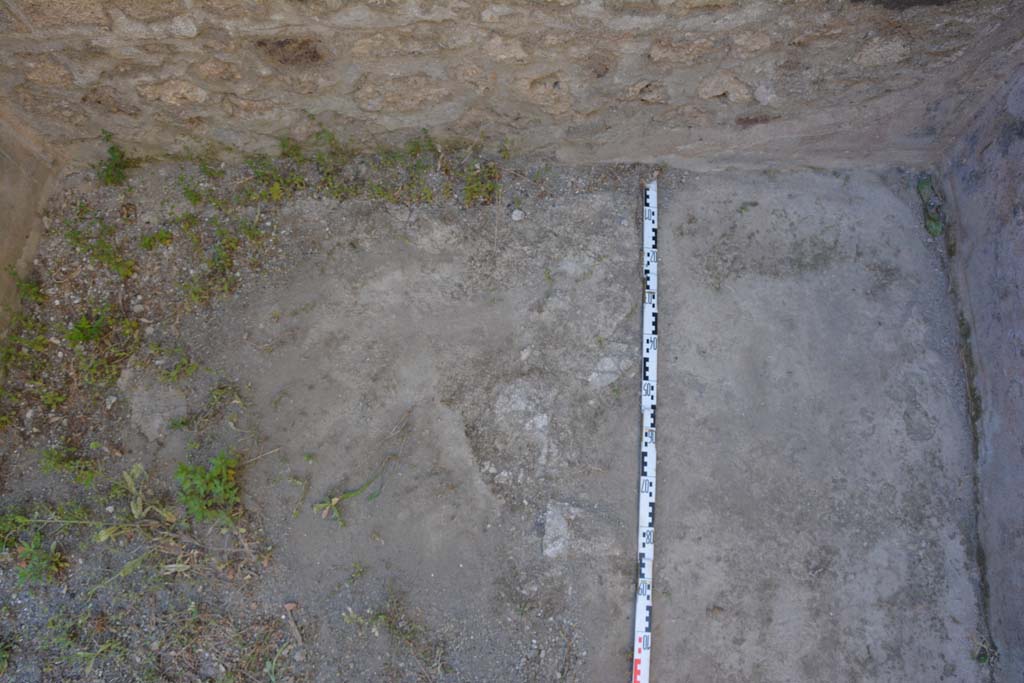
354 417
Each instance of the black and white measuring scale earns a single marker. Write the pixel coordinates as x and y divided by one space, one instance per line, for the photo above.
648 450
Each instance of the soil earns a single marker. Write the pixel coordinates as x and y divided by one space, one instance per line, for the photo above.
425 367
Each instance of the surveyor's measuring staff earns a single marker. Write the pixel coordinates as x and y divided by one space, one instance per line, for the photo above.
648 452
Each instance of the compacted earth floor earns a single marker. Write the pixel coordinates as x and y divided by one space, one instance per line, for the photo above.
342 417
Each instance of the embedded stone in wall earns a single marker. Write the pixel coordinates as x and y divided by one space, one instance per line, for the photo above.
63 13
880 52
647 91
217 70
9 23
181 26
149 10
764 94
392 43
47 72
549 92
453 35
687 52
749 42
400 93
469 73
246 108
505 50
109 100
598 64
496 13
724 84
174 92
292 51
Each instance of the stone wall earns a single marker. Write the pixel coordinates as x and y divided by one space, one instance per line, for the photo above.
986 185
828 81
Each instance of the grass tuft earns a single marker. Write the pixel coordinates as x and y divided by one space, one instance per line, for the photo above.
210 493
114 169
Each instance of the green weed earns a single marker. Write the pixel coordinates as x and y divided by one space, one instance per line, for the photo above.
250 229
480 183
102 249
210 493
183 422
190 190
109 255
11 526
183 368
28 290
61 458
6 648
88 328
52 399
290 149
208 168
114 169
150 241
83 638
331 505
931 204
39 564
505 149
22 347
189 223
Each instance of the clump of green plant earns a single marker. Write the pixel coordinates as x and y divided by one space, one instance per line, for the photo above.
102 249
6 648
131 487
180 422
109 255
82 637
291 149
61 458
28 290
11 526
51 398
99 364
39 564
331 158
331 505
403 172
23 363
505 149
190 190
23 345
188 222
931 203
251 231
480 183
273 184
183 368
151 240
985 652
220 274
210 493
88 328
114 169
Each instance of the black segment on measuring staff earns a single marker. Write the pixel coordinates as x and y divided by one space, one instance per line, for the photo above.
642 567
